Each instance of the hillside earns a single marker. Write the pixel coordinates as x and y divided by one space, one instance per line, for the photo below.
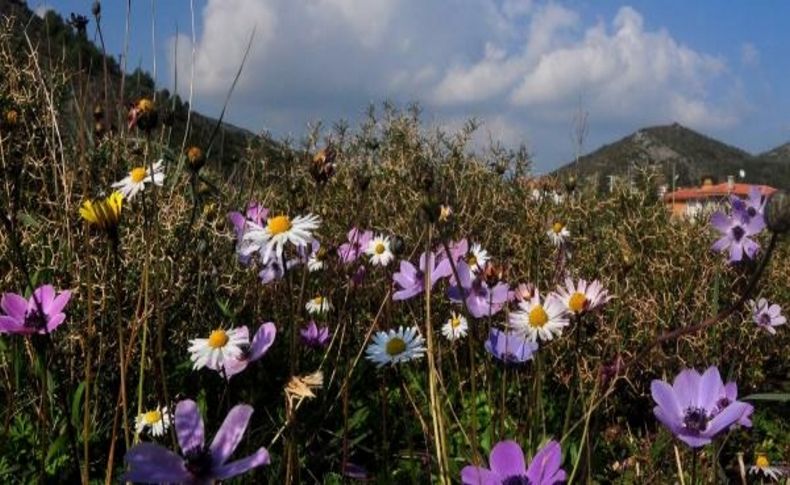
690 155
60 46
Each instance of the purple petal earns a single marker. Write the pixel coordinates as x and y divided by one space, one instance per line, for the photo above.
685 386
12 325
230 433
507 459
43 296
545 465
189 426
665 397
672 423
260 457
14 306
60 302
726 418
407 293
721 244
238 223
263 339
150 463
694 441
499 293
710 389
720 221
54 322
477 475
234 366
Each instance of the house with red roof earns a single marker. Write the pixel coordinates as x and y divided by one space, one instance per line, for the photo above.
696 201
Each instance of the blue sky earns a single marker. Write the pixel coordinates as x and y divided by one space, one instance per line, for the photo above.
523 67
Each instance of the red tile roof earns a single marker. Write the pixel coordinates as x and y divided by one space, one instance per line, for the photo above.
715 191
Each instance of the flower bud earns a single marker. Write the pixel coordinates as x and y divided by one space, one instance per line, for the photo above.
777 212
96 8
11 117
195 158
397 246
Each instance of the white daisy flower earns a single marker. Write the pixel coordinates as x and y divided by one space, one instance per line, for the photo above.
539 320
394 347
583 296
138 177
157 420
379 251
221 344
477 258
558 233
455 328
319 304
314 263
271 239
763 467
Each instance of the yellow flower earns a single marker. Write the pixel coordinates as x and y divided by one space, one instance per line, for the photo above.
103 213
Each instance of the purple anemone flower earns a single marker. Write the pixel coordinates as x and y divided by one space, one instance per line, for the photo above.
750 209
273 269
509 347
693 408
358 240
767 316
41 313
508 466
736 235
314 336
255 213
261 341
198 464
409 280
481 300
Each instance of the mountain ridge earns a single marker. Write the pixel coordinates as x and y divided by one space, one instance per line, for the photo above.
675 151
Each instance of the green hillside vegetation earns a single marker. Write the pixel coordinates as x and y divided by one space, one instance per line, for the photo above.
669 149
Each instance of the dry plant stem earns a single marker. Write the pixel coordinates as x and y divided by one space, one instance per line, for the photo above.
436 409
476 460
141 379
675 334
678 463
587 418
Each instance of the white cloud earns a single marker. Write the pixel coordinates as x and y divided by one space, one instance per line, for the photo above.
750 56
42 10
519 65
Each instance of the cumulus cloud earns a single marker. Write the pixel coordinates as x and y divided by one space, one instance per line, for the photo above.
520 65
750 56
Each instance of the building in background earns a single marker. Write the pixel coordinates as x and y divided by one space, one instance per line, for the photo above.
694 202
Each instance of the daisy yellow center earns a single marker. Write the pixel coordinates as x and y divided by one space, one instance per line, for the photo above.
137 174
218 339
395 346
278 225
576 302
538 317
145 104
318 300
152 417
380 248
557 227
472 260
455 322
762 461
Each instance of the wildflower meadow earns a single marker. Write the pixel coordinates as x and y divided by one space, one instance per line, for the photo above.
381 303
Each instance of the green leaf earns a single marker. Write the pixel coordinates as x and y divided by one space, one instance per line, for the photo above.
57 446
769 396
76 401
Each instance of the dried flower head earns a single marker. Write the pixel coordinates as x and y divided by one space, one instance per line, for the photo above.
777 212
195 158
302 387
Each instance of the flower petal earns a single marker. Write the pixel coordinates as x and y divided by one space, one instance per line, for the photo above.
230 433
14 306
477 475
545 465
189 426
60 302
263 339
151 463
710 389
507 459
726 418
260 457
